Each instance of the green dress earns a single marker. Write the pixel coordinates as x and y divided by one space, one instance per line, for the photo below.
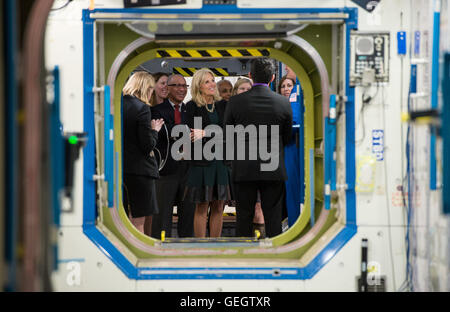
211 182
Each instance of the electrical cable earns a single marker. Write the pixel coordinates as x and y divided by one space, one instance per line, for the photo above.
62 7
387 192
407 284
366 100
405 177
340 110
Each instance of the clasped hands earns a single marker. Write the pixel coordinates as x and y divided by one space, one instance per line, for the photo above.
197 134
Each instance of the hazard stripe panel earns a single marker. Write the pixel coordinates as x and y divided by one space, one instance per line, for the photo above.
213 53
189 72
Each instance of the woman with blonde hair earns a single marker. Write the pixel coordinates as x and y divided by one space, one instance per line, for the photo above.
140 85
140 135
208 180
241 85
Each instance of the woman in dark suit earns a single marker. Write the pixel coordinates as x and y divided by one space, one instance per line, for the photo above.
208 180
140 135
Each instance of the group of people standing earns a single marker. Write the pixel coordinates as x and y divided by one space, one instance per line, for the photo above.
154 182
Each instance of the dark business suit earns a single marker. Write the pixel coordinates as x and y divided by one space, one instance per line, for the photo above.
170 186
139 163
260 106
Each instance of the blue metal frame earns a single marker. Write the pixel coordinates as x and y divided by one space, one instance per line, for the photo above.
434 93
57 156
350 159
111 251
330 146
109 147
445 131
89 203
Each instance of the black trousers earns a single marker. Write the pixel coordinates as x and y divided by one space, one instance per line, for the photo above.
272 198
169 193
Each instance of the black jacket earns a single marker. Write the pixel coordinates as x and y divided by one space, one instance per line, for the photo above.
139 139
260 106
192 111
166 112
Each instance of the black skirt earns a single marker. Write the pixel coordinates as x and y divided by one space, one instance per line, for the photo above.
139 196
208 183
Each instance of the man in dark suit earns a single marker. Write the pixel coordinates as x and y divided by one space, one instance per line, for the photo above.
170 187
260 107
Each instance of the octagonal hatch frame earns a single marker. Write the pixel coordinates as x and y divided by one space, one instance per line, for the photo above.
97 234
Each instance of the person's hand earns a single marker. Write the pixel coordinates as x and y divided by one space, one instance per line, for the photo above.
197 134
157 124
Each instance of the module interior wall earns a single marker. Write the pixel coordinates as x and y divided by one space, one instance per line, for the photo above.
381 204
430 228
64 48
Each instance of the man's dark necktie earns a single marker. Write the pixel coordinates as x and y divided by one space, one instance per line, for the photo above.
177 114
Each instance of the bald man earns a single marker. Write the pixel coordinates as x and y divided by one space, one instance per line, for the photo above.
170 186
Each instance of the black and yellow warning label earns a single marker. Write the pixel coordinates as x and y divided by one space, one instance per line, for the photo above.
196 53
189 71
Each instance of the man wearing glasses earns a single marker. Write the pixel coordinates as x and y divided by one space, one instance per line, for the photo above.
170 186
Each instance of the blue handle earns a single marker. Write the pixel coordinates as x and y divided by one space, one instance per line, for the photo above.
329 158
109 144
332 138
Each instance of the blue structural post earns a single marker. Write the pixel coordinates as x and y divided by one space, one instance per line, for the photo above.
57 157
434 90
89 211
350 158
446 134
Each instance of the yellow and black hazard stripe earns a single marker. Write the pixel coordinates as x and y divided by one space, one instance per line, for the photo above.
196 53
189 72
